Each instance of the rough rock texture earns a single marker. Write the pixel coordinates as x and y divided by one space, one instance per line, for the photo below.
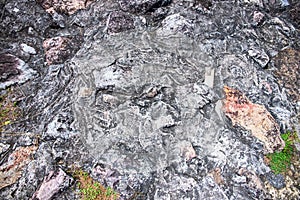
287 71
140 104
53 183
254 118
64 6
142 6
12 169
59 49
13 70
119 21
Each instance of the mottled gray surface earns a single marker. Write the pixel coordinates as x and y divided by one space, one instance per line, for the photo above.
139 106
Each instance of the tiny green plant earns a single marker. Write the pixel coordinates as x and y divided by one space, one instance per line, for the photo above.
280 161
92 190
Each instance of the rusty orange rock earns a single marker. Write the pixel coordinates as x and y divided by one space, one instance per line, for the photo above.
253 117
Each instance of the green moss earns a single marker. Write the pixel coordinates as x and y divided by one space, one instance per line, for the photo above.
91 189
281 161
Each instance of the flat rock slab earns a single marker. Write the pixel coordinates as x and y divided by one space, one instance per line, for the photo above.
52 184
254 118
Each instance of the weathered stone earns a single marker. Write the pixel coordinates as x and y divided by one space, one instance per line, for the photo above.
119 21
3 148
259 55
141 6
65 6
52 184
12 170
175 24
211 190
288 71
205 3
294 14
59 49
13 70
254 118
276 180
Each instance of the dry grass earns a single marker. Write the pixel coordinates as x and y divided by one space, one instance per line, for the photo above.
8 110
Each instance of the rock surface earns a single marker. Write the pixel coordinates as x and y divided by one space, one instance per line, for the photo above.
55 182
288 71
59 49
13 168
253 117
13 70
142 6
65 6
132 92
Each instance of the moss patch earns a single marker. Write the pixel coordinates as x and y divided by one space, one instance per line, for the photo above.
8 110
279 162
91 189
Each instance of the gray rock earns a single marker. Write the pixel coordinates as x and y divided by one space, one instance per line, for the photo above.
13 70
142 6
276 180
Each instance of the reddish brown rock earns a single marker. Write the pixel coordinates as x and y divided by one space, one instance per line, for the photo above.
59 49
12 170
64 6
52 184
254 118
119 21
287 71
